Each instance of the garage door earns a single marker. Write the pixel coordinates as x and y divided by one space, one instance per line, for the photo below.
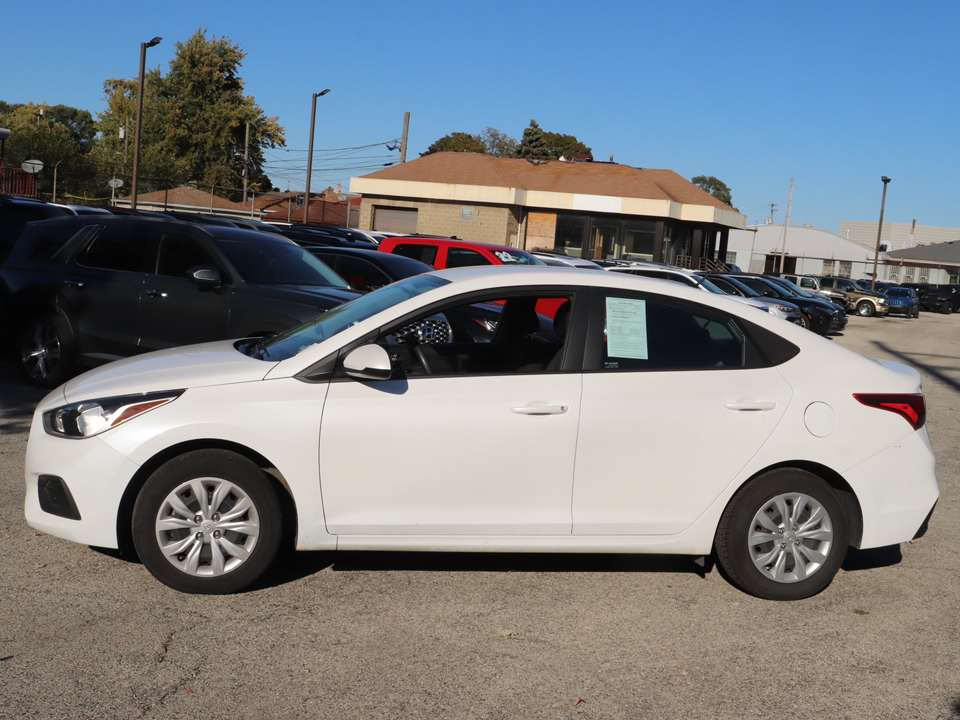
399 220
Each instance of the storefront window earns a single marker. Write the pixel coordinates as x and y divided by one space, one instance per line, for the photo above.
638 237
569 234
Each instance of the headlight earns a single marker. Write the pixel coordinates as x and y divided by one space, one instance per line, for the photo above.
92 417
882 301
784 309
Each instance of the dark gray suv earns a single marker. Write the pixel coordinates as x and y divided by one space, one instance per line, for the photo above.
82 291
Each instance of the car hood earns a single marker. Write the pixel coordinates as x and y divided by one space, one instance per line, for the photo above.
216 363
322 297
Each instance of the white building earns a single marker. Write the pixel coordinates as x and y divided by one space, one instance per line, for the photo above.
897 236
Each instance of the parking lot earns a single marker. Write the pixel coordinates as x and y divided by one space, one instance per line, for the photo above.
84 633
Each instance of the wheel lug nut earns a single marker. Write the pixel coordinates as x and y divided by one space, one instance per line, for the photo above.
216 517
782 545
198 518
217 534
199 536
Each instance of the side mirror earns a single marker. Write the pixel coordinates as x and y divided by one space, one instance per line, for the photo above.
205 275
368 362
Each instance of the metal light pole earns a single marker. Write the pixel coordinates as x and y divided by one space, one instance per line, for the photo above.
313 119
136 142
876 254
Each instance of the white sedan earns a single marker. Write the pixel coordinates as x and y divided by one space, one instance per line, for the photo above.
494 409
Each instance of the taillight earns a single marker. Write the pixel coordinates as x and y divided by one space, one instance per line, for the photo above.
911 408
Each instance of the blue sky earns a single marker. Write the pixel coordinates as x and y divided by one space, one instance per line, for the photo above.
834 94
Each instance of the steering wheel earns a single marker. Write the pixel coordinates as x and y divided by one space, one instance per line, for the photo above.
417 350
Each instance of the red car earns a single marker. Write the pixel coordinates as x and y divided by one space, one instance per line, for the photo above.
442 253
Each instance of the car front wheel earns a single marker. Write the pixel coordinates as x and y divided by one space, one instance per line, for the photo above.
783 536
45 350
208 521
865 309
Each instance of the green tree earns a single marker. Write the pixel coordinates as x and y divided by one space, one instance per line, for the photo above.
60 137
533 144
564 145
457 142
715 187
194 120
497 143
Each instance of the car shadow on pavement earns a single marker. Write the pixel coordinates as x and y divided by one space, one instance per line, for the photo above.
298 565
872 559
17 400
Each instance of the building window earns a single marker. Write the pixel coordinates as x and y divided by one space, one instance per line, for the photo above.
846 268
638 237
731 258
894 276
569 234
954 278
828 267
924 278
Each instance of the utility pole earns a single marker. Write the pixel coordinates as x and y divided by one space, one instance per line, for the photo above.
876 254
783 251
246 159
773 209
403 140
313 122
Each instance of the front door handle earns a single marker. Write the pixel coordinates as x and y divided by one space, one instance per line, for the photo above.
73 283
155 293
751 406
541 409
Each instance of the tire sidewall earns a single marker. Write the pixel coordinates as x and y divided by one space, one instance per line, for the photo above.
731 541
61 328
865 308
208 463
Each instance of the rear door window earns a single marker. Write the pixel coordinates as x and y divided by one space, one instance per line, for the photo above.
117 247
462 257
417 251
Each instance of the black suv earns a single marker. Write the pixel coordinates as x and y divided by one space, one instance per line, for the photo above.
89 289
940 298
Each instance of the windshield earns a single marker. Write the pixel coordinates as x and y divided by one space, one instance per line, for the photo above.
509 256
790 288
265 260
287 344
746 290
711 287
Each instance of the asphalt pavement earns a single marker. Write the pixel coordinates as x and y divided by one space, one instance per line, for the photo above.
88 634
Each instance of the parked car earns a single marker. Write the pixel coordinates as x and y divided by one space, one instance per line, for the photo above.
204 458
823 316
367 270
86 290
731 286
941 298
15 212
812 285
306 235
903 301
442 253
559 258
881 285
867 303
686 277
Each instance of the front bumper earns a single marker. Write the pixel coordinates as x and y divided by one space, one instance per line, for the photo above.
94 474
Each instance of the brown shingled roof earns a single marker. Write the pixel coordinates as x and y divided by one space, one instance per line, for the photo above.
587 178
187 196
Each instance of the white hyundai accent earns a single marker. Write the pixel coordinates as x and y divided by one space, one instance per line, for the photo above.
494 409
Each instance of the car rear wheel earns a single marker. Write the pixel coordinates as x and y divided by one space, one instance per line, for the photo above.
783 536
208 521
45 350
865 308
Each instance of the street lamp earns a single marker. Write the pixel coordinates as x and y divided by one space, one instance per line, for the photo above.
313 120
876 254
136 142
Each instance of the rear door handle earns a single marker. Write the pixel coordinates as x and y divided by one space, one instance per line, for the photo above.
155 293
73 283
751 406
541 409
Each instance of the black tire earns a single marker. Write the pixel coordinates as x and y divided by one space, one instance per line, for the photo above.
45 350
222 551
865 308
805 321
793 553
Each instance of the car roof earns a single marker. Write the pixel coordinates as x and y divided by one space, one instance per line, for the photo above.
430 240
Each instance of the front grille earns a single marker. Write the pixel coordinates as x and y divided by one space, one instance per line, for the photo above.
429 332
